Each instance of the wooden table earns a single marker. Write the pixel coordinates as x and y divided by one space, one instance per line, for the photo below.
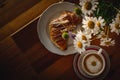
23 57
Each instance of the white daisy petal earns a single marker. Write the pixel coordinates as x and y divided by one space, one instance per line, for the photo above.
117 17
88 6
115 27
89 25
81 41
107 42
100 22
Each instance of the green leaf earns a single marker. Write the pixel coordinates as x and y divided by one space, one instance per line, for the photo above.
107 10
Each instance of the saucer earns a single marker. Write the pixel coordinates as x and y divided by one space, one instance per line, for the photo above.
82 75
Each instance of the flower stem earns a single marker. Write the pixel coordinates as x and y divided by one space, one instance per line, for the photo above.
108 31
117 9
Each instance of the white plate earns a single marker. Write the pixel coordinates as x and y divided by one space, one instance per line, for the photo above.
42 27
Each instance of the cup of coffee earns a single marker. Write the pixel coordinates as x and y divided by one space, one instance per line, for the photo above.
92 63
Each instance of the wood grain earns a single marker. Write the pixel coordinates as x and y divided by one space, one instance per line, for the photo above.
12 8
24 18
23 57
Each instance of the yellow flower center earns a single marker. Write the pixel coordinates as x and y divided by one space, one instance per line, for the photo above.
84 37
117 26
91 24
98 24
79 44
108 43
88 5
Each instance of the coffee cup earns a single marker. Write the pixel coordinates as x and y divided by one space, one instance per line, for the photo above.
93 63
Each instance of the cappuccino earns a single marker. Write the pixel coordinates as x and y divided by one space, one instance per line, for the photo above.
93 64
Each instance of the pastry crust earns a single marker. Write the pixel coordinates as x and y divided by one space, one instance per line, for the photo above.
67 21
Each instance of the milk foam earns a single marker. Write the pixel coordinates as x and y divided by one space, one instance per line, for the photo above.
90 67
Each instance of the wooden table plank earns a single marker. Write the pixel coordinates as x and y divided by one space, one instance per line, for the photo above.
5 44
69 74
26 37
58 68
24 18
13 8
36 52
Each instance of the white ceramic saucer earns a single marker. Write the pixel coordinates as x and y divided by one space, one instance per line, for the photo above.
82 75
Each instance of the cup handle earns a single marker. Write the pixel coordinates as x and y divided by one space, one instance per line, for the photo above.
100 51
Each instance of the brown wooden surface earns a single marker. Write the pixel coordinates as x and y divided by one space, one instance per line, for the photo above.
13 8
23 57
25 17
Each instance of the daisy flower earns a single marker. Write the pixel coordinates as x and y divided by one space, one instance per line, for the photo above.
117 17
89 25
102 35
83 35
107 42
88 6
81 42
115 27
100 22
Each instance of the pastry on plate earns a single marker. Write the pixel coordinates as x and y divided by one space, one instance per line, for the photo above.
67 21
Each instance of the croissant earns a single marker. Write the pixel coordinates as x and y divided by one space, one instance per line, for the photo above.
67 21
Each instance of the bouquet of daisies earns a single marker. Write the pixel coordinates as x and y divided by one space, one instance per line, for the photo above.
99 19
